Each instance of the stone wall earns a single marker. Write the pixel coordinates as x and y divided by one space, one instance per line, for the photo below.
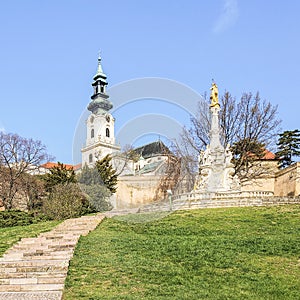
239 202
265 181
134 191
282 183
260 184
183 204
287 181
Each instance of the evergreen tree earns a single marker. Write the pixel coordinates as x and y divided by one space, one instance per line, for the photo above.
59 175
96 192
89 176
288 147
107 173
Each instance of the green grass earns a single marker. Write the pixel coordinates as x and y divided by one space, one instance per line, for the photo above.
11 235
232 253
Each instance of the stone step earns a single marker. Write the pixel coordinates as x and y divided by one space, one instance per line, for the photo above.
30 287
29 263
48 252
43 245
33 280
49 295
40 257
53 250
59 274
64 237
45 240
19 280
49 269
40 249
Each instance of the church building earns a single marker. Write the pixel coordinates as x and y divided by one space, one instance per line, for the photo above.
100 125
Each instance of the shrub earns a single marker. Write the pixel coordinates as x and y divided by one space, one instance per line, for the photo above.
65 201
11 218
98 196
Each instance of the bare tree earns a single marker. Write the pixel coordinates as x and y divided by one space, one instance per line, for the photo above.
169 180
123 161
188 158
18 155
249 125
32 189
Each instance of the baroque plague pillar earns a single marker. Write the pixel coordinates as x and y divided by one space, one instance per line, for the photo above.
216 172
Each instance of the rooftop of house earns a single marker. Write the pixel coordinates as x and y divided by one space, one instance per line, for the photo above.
149 168
269 155
153 149
50 165
265 155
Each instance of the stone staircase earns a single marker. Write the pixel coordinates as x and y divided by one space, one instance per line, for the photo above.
36 268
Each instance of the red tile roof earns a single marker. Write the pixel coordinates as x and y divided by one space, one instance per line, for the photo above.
269 155
77 167
50 165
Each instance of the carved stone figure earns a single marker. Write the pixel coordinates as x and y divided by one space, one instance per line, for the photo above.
200 157
228 156
214 96
206 156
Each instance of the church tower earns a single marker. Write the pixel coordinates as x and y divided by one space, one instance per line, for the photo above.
100 125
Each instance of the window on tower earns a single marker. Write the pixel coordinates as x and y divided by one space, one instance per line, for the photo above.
102 89
107 132
92 133
90 158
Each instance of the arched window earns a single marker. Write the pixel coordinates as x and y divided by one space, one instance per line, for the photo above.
90 158
92 133
107 132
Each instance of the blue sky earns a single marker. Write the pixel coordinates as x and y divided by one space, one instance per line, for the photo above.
49 51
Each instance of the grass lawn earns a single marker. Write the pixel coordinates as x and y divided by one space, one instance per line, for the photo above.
11 235
232 253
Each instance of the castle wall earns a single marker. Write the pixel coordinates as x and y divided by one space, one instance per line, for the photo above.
184 203
260 184
287 181
283 183
135 190
264 182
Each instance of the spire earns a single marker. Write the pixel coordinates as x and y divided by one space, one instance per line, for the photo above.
99 69
100 102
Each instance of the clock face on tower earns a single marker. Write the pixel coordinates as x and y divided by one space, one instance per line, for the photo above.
107 118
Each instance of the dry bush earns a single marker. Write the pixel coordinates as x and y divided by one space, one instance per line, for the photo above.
64 201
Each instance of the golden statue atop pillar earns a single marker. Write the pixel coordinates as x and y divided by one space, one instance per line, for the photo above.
214 95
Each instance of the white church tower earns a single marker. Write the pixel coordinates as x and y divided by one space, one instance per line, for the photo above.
100 135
